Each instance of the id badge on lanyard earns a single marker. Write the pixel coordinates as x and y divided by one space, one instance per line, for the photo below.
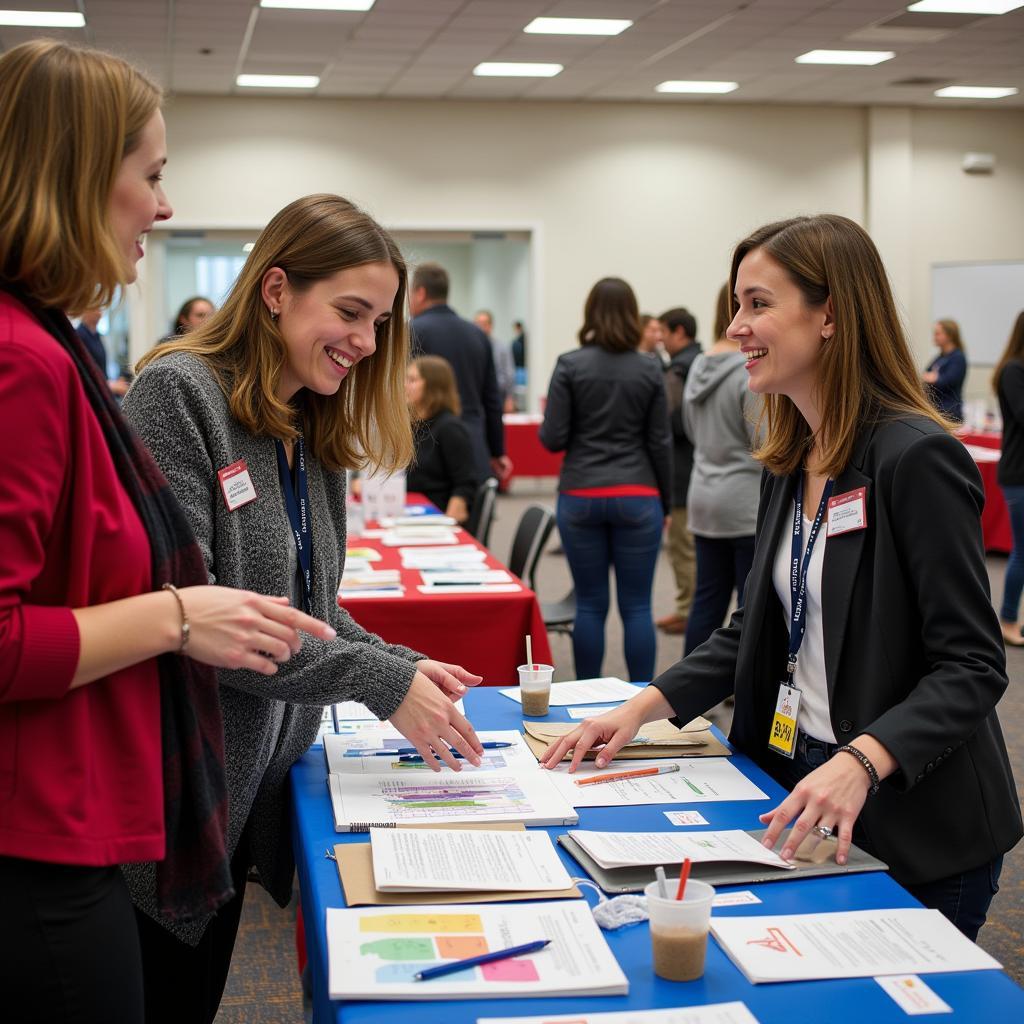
785 721
296 501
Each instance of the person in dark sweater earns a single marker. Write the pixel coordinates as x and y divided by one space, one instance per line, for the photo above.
443 468
1008 383
947 371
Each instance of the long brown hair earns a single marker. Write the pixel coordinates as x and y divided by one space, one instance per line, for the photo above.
611 317
723 311
365 424
68 117
866 367
1013 353
952 331
439 388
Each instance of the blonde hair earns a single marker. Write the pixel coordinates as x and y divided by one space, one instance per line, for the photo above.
865 369
366 423
952 330
439 389
68 117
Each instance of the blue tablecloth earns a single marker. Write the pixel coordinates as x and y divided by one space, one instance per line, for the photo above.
976 995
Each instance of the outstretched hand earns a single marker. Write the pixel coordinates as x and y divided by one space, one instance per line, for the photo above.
450 679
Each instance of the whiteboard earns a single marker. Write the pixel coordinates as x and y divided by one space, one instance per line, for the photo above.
984 299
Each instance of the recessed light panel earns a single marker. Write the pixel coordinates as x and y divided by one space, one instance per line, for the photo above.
578 26
851 57
43 19
277 81
697 87
319 5
965 6
496 69
976 92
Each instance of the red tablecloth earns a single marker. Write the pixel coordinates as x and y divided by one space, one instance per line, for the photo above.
529 457
995 518
981 440
484 633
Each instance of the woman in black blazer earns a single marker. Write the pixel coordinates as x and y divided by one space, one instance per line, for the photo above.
443 468
900 663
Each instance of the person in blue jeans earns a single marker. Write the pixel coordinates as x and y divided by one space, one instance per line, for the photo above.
607 410
1008 383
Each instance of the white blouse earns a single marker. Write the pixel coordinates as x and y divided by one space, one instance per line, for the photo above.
809 677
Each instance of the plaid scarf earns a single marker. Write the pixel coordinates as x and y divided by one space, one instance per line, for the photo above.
194 878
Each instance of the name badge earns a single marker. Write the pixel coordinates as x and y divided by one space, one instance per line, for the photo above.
236 485
848 512
787 712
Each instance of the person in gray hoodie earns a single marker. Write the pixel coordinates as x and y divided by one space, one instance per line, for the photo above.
719 416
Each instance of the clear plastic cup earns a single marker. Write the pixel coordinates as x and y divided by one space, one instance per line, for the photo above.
679 929
535 688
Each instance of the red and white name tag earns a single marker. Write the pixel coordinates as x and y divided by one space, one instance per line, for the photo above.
848 512
236 485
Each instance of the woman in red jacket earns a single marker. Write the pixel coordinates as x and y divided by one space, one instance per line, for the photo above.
110 731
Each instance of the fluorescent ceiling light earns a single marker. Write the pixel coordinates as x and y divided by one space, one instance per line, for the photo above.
319 5
43 19
579 26
845 57
694 87
496 69
965 6
277 81
976 92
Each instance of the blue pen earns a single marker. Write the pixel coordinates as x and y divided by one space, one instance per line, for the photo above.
473 961
392 751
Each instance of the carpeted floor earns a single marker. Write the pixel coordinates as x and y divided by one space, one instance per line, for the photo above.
264 987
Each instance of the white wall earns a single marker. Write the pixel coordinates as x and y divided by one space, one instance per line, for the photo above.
655 193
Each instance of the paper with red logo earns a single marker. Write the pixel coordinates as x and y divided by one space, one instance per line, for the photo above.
847 944
236 485
848 512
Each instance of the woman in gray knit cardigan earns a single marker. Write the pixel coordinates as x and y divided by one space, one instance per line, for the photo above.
254 417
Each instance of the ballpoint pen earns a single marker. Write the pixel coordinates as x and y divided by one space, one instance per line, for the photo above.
393 751
638 773
485 958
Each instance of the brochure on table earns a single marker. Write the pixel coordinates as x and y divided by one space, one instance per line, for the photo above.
699 780
850 944
583 691
714 1013
425 860
657 739
374 952
637 849
368 790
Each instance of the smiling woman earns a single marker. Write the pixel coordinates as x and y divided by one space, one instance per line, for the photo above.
254 416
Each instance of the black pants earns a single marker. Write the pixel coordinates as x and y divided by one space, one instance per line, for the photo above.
69 949
963 898
183 983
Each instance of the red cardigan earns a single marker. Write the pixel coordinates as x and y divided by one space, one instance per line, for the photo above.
80 770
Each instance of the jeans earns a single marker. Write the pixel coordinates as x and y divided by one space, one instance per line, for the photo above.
597 534
964 898
722 566
1014 582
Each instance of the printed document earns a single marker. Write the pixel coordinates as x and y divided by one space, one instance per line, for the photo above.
426 860
584 691
636 849
713 1013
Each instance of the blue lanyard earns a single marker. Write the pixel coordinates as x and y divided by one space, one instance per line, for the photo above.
296 503
798 569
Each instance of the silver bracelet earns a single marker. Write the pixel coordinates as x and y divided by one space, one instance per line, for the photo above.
186 629
866 764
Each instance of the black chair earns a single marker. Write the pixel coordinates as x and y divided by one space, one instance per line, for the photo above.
481 515
560 616
531 535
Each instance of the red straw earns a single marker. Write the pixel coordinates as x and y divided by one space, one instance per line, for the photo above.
684 874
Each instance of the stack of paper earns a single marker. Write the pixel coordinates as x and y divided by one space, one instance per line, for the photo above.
637 849
373 579
468 581
847 944
458 556
374 952
428 860
418 535
584 691
427 521
713 1013
367 790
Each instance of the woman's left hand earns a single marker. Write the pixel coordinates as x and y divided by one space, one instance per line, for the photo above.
450 679
830 796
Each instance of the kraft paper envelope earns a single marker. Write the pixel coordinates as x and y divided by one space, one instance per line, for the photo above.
656 739
355 869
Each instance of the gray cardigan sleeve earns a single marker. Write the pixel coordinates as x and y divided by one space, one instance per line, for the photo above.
182 416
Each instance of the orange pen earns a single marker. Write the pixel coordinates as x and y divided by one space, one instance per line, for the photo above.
639 773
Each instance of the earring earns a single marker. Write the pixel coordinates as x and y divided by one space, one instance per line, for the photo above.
274 314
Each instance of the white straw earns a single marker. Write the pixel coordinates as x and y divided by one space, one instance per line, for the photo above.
659 873
529 650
